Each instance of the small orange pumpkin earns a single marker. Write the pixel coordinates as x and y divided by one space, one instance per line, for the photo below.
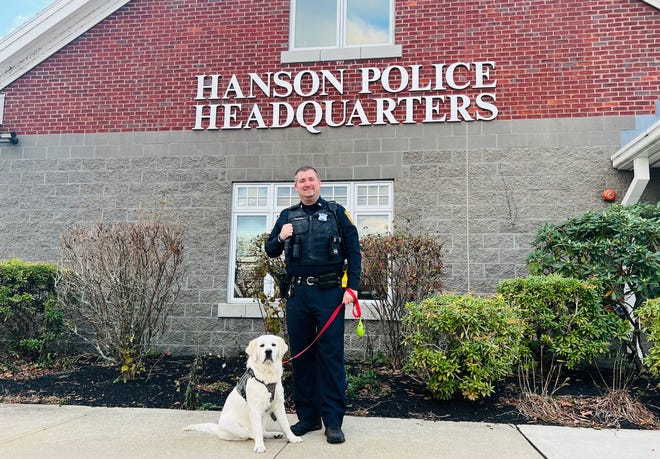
609 195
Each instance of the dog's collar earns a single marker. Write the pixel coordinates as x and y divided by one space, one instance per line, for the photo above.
242 383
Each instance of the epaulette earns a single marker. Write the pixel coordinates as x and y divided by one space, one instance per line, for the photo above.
295 206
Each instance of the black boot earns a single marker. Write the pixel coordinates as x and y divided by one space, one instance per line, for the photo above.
334 435
302 427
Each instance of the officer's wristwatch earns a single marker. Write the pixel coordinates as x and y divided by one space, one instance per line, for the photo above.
279 239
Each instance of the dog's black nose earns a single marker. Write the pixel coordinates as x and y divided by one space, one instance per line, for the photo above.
269 354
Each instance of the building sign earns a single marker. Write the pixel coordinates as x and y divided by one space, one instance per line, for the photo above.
313 99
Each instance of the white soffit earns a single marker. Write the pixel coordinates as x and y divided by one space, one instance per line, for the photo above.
52 29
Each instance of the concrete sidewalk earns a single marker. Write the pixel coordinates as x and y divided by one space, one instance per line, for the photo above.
49 431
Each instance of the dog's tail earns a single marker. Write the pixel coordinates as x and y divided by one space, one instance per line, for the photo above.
207 427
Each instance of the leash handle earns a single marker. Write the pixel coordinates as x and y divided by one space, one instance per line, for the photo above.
357 312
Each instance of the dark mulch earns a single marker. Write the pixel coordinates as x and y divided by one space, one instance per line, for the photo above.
373 390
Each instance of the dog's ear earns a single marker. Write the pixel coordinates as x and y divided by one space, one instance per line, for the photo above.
250 350
282 345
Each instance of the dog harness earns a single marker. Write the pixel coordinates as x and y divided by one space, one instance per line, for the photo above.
242 383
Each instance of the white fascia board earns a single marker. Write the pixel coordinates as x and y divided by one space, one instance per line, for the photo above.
646 145
52 29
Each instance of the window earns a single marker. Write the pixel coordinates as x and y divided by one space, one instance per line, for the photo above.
322 30
341 23
255 208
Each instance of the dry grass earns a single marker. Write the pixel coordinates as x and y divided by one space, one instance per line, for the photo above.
606 411
34 399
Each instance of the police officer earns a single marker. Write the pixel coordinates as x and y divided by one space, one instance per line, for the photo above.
316 237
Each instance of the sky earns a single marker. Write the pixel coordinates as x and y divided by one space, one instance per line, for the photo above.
17 12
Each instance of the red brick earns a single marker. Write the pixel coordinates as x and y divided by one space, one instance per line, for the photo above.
136 69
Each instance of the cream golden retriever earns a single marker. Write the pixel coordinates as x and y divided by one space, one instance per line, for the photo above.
255 407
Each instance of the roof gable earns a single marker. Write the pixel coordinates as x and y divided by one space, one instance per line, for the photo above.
52 29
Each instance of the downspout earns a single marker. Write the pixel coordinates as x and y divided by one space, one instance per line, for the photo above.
639 181
636 154
637 151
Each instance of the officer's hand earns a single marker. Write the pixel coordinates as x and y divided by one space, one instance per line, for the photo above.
287 231
348 298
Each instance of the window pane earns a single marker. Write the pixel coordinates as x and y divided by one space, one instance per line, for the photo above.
337 193
252 196
367 22
373 195
286 196
247 228
372 224
315 23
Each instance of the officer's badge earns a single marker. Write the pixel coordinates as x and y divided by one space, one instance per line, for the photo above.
323 217
348 216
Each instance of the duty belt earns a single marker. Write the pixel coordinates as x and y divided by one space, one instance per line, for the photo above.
315 280
309 280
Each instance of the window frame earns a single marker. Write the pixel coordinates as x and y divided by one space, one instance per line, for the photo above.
340 51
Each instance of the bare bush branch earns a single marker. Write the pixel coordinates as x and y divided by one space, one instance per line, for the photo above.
396 269
120 286
250 278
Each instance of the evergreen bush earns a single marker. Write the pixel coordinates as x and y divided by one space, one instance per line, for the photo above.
618 246
462 343
649 316
29 310
565 319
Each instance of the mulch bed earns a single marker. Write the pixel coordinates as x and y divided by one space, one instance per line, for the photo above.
170 382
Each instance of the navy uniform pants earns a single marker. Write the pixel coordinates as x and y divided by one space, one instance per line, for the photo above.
319 374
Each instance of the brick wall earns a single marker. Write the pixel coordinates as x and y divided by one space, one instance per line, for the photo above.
135 71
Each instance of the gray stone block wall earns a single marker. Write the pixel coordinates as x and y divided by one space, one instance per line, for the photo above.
483 188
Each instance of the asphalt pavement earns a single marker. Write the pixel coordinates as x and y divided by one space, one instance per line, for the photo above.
51 431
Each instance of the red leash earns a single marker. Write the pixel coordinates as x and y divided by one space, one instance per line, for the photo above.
357 313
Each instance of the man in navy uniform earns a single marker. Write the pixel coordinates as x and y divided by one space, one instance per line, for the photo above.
317 237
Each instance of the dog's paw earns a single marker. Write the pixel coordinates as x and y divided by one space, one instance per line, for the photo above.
294 439
259 449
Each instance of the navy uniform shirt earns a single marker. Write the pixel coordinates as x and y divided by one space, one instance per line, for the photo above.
351 245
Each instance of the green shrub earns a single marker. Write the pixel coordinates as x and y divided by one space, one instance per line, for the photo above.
461 343
365 383
29 310
649 317
565 317
619 246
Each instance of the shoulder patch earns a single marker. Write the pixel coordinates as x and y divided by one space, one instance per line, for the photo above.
348 215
